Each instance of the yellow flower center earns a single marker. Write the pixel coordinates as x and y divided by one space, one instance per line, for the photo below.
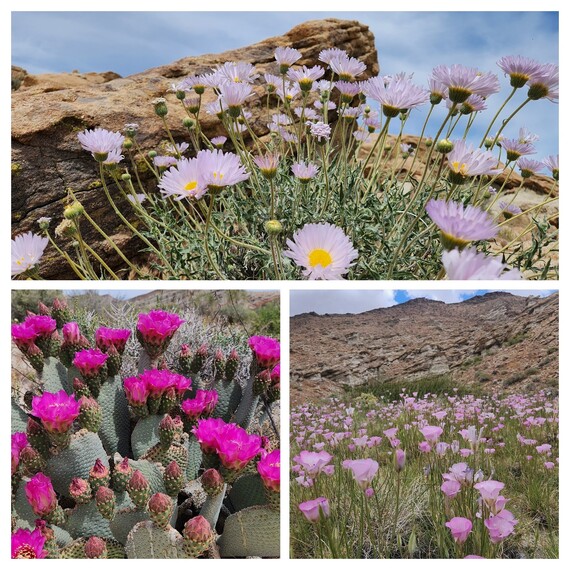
20 261
191 186
25 551
219 175
459 169
319 257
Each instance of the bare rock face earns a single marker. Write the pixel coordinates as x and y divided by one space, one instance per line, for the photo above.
48 112
497 341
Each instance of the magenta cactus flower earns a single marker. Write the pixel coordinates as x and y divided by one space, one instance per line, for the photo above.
206 432
460 528
269 468
155 331
19 442
105 338
56 411
90 362
315 509
203 404
136 391
24 335
363 470
40 495
44 325
28 544
236 447
159 381
71 333
267 350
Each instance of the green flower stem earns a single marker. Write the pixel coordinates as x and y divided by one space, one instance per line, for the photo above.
327 185
149 165
103 264
206 246
432 107
275 257
508 120
127 223
83 252
497 116
170 138
72 264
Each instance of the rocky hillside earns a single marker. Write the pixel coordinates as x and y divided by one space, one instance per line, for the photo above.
500 341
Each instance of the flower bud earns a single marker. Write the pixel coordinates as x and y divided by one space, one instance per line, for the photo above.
80 490
95 547
444 146
160 508
73 211
273 227
198 536
160 107
212 482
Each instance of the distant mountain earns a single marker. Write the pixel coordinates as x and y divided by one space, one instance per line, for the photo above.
497 340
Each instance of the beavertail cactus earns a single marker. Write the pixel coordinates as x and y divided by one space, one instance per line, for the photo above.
106 459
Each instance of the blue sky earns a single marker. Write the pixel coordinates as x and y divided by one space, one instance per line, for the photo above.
128 42
355 301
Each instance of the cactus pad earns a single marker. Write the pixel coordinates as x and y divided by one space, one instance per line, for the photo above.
148 541
247 491
194 458
75 461
77 549
86 521
19 418
54 376
251 532
124 521
176 452
145 434
115 429
211 508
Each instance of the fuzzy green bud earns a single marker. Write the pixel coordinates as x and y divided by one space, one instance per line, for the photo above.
189 123
160 107
273 227
73 211
444 146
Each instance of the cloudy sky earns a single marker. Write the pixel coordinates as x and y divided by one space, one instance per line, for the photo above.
354 301
128 42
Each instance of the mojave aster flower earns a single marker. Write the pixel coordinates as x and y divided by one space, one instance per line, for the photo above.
326 55
27 249
306 76
552 163
100 142
464 162
519 68
461 82
269 468
400 94
468 263
529 167
347 68
268 164
234 95
56 411
515 148
543 83
28 544
323 250
220 169
235 72
286 57
315 509
183 180
460 225
304 171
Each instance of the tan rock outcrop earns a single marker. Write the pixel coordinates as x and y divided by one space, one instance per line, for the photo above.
49 111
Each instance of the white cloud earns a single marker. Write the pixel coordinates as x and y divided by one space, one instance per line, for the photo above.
340 302
447 296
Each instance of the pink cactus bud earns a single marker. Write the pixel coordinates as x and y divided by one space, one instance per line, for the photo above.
160 503
104 495
71 333
124 466
95 547
167 424
138 481
198 530
212 481
99 470
60 304
173 470
79 489
43 309
19 443
185 351
57 411
40 495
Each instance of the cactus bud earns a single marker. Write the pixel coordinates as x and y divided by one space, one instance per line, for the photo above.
184 360
37 437
95 547
81 390
43 309
262 382
31 460
99 475
219 365
198 536
105 500
90 414
121 475
173 479
35 357
60 312
114 362
199 359
80 490
50 545
212 482
139 489
232 364
168 400
166 431
160 508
